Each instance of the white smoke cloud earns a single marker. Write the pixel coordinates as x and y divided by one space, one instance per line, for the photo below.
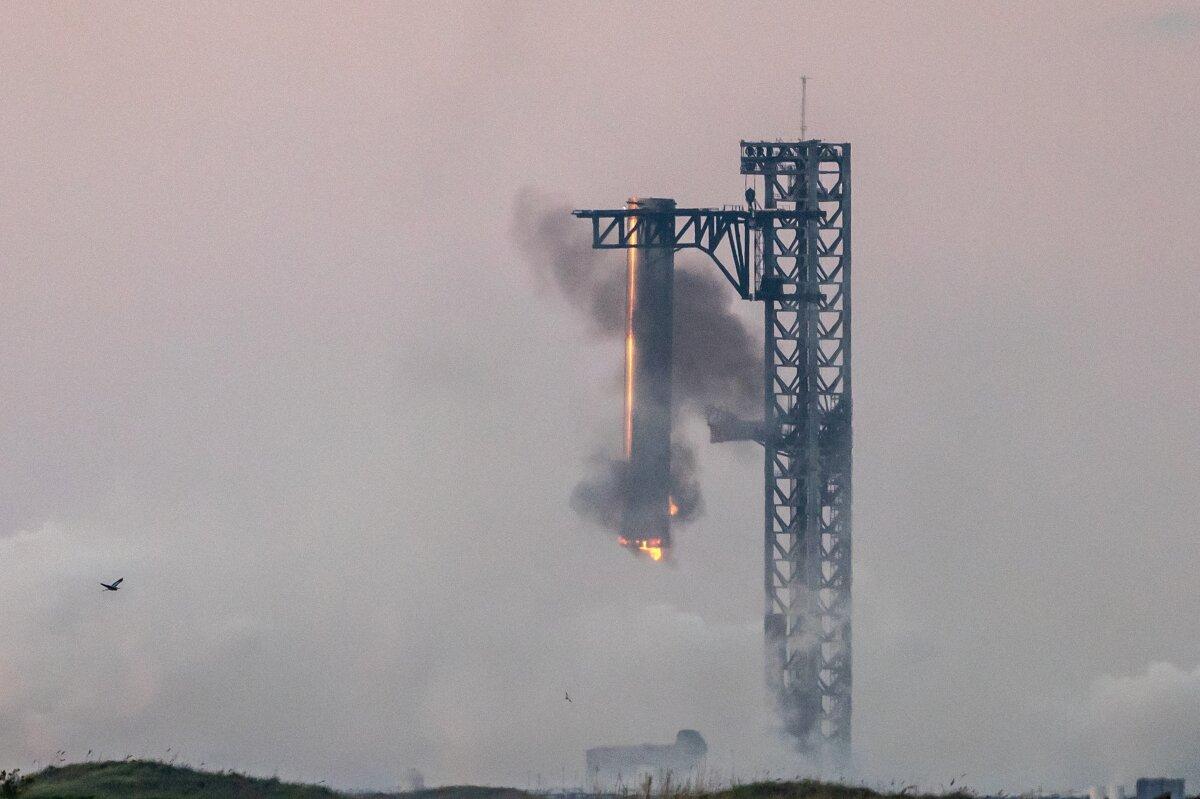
1144 724
298 680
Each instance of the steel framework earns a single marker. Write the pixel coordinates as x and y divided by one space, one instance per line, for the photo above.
807 437
724 234
793 255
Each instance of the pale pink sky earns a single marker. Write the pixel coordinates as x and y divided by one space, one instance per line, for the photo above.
269 351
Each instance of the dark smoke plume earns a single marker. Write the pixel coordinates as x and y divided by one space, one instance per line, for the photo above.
559 250
600 495
715 360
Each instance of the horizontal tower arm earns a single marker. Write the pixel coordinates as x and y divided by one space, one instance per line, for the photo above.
723 234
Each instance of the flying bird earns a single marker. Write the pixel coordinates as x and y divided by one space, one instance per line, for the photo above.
567 697
116 585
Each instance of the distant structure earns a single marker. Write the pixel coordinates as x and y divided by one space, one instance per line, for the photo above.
1113 791
608 765
1159 788
414 779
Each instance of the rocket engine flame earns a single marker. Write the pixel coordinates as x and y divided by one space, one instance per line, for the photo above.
655 552
646 546
650 546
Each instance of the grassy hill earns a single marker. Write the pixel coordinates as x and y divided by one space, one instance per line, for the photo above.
149 779
146 779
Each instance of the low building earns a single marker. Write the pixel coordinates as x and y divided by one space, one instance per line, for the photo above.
609 765
1159 788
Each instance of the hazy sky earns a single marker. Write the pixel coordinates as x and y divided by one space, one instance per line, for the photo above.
269 350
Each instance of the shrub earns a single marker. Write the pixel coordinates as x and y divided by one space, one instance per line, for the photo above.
12 783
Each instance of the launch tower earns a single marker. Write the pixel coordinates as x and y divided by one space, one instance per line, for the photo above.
789 249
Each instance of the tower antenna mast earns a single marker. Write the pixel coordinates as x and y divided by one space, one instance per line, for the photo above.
803 107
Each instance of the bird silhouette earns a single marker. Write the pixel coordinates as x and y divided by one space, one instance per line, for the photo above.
115 586
567 697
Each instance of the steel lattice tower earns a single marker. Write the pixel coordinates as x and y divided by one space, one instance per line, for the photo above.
805 288
793 255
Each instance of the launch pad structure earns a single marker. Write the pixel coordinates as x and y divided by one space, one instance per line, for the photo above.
791 253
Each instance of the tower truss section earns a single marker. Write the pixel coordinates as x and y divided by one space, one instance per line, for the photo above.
804 283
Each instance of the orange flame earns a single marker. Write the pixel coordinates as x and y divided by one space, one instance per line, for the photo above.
672 508
655 553
650 546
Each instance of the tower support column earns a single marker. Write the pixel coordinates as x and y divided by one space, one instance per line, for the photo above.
804 285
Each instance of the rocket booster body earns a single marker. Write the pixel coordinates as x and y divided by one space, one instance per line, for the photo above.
646 520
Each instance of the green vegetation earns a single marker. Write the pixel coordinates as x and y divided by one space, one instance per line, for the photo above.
13 784
452 792
146 779
149 779
152 779
773 789
812 789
